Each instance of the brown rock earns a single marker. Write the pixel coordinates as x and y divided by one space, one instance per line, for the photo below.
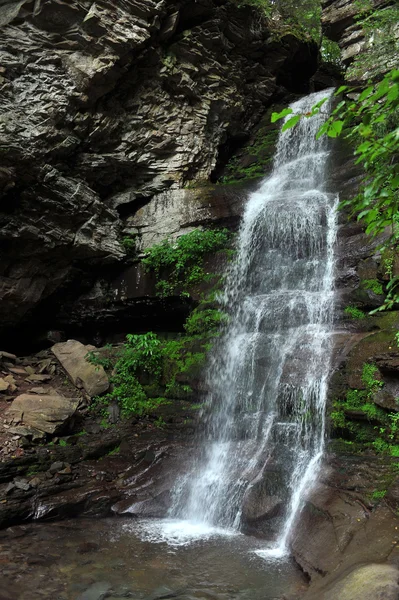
4 385
37 377
45 413
17 370
367 582
38 390
72 356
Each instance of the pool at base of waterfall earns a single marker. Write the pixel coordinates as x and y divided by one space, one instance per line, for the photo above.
85 559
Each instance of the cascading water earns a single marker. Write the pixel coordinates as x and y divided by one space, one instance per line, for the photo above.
268 377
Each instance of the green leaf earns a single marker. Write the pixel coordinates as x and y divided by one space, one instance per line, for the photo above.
335 129
366 93
284 113
341 89
291 123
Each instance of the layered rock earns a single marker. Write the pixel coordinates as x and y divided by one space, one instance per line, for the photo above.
103 107
364 49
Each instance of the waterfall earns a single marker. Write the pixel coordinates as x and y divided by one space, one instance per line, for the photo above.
268 377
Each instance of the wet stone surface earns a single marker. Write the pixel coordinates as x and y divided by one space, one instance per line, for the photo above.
105 558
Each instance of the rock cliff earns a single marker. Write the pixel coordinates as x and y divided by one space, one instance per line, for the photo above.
103 107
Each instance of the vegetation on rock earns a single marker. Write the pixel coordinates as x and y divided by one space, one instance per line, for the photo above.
178 264
370 121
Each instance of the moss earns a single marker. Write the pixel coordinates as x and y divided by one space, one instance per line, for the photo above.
354 313
374 285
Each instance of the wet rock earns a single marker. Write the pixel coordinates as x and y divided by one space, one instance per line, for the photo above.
114 413
87 547
72 356
97 591
48 413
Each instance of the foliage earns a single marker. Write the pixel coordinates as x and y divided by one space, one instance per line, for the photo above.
183 259
354 313
147 358
374 285
304 16
260 149
205 321
330 52
378 494
381 44
370 120
129 244
368 378
95 358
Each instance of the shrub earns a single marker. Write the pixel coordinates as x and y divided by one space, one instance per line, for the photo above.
182 260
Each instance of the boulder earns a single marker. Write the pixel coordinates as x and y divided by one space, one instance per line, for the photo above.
72 356
48 413
368 582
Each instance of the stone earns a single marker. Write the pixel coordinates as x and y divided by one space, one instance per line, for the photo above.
38 390
368 582
114 413
17 370
38 377
49 413
22 484
72 356
7 355
4 385
57 467
97 591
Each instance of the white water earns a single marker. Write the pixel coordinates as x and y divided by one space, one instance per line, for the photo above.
268 377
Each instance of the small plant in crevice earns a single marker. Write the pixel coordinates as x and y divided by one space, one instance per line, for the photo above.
374 285
354 313
129 243
378 495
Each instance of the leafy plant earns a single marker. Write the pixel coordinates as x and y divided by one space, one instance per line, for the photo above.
374 285
181 261
129 244
378 494
354 313
206 321
369 120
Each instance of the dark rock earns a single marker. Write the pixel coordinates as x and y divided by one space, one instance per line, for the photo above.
110 88
22 484
57 467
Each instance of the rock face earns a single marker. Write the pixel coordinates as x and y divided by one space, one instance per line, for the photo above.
43 413
343 22
72 356
104 106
